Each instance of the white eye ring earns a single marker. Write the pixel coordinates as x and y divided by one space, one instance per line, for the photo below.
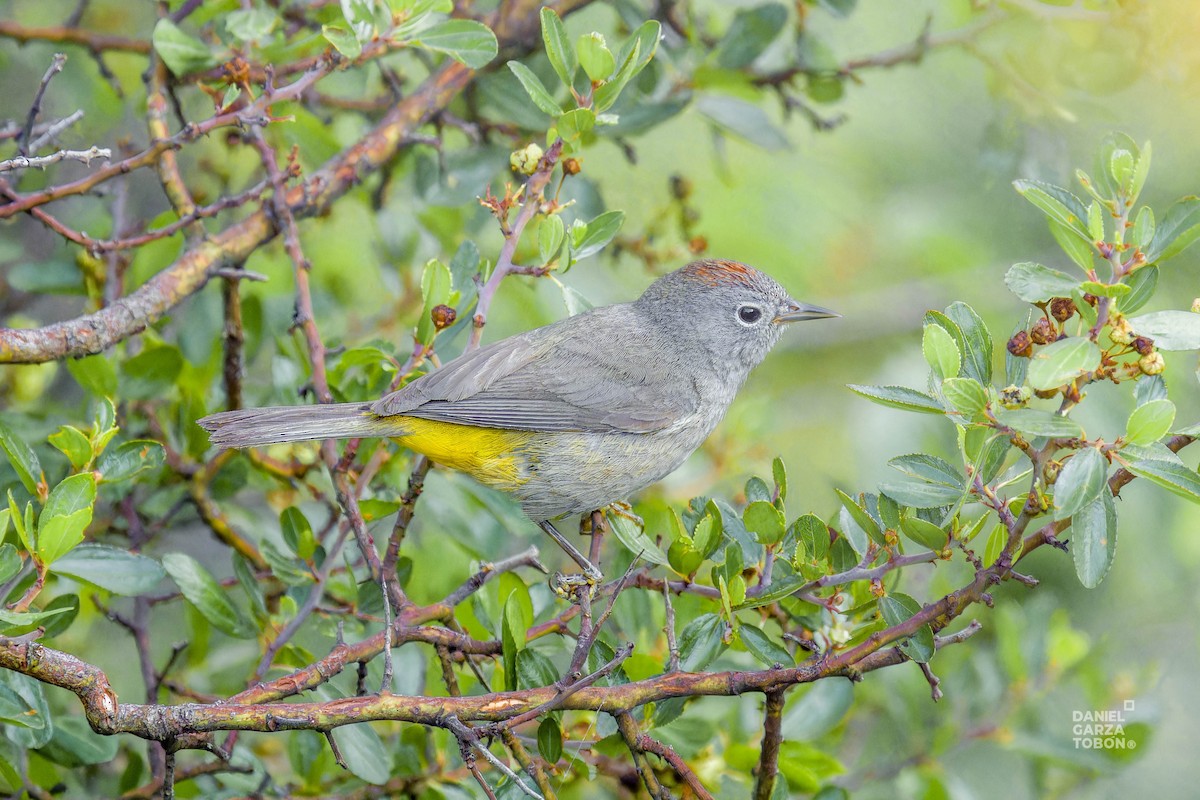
749 315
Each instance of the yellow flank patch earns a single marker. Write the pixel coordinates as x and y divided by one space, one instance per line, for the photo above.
489 455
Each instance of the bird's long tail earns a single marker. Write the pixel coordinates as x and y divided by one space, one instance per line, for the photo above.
252 427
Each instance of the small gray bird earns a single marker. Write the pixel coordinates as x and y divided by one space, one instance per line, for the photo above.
576 415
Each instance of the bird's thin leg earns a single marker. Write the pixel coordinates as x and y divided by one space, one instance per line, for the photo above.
593 574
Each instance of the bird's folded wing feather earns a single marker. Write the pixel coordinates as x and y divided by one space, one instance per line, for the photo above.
594 372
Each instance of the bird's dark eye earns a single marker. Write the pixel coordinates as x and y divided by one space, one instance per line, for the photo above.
748 315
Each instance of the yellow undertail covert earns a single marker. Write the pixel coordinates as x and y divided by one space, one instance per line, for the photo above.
489 455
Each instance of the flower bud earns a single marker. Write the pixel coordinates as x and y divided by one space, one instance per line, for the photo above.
1121 333
1152 363
1043 331
1062 308
572 166
1090 299
1014 396
697 245
1051 470
526 161
1144 345
1019 345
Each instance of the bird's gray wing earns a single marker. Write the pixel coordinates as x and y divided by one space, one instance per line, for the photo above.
598 371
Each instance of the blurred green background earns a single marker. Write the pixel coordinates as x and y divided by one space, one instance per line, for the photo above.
905 206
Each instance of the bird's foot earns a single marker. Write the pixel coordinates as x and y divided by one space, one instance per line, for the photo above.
567 586
622 509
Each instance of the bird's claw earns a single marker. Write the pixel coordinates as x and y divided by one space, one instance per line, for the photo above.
565 586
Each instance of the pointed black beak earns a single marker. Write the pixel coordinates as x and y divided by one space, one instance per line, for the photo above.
794 311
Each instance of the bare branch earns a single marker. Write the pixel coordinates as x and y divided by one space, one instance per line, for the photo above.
41 162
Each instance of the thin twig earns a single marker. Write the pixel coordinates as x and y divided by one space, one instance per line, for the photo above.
35 109
41 162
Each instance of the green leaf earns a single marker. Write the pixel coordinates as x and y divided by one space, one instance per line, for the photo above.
27 619
924 533
1178 230
744 119
930 468
852 533
707 535
779 475
1035 422
206 595
629 64
966 396
595 57
1170 330
1081 252
779 589
534 670
465 40
152 373
820 707
435 291
976 342
360 16
1172 476
181 52
534 87
74 744
1062 362
899 397
1150 422
574 125
111 568
549 735
1035 283
248 24
558 47
1058 204
363 751
73 444
634 537
10 560
1081 481
750 33
765 521
130 459
941 351
1105 289
896 608
600 231
769 653
514 625
861 518
1142 283
24 461
700 642
1094 540
1143 228
920 495
344 41
1138 176
96 374
67 514
297 532
551 235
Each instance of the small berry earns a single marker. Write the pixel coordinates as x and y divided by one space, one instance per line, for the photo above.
1019 345
443 316
1043 332
572 166
1062 308
1144 345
